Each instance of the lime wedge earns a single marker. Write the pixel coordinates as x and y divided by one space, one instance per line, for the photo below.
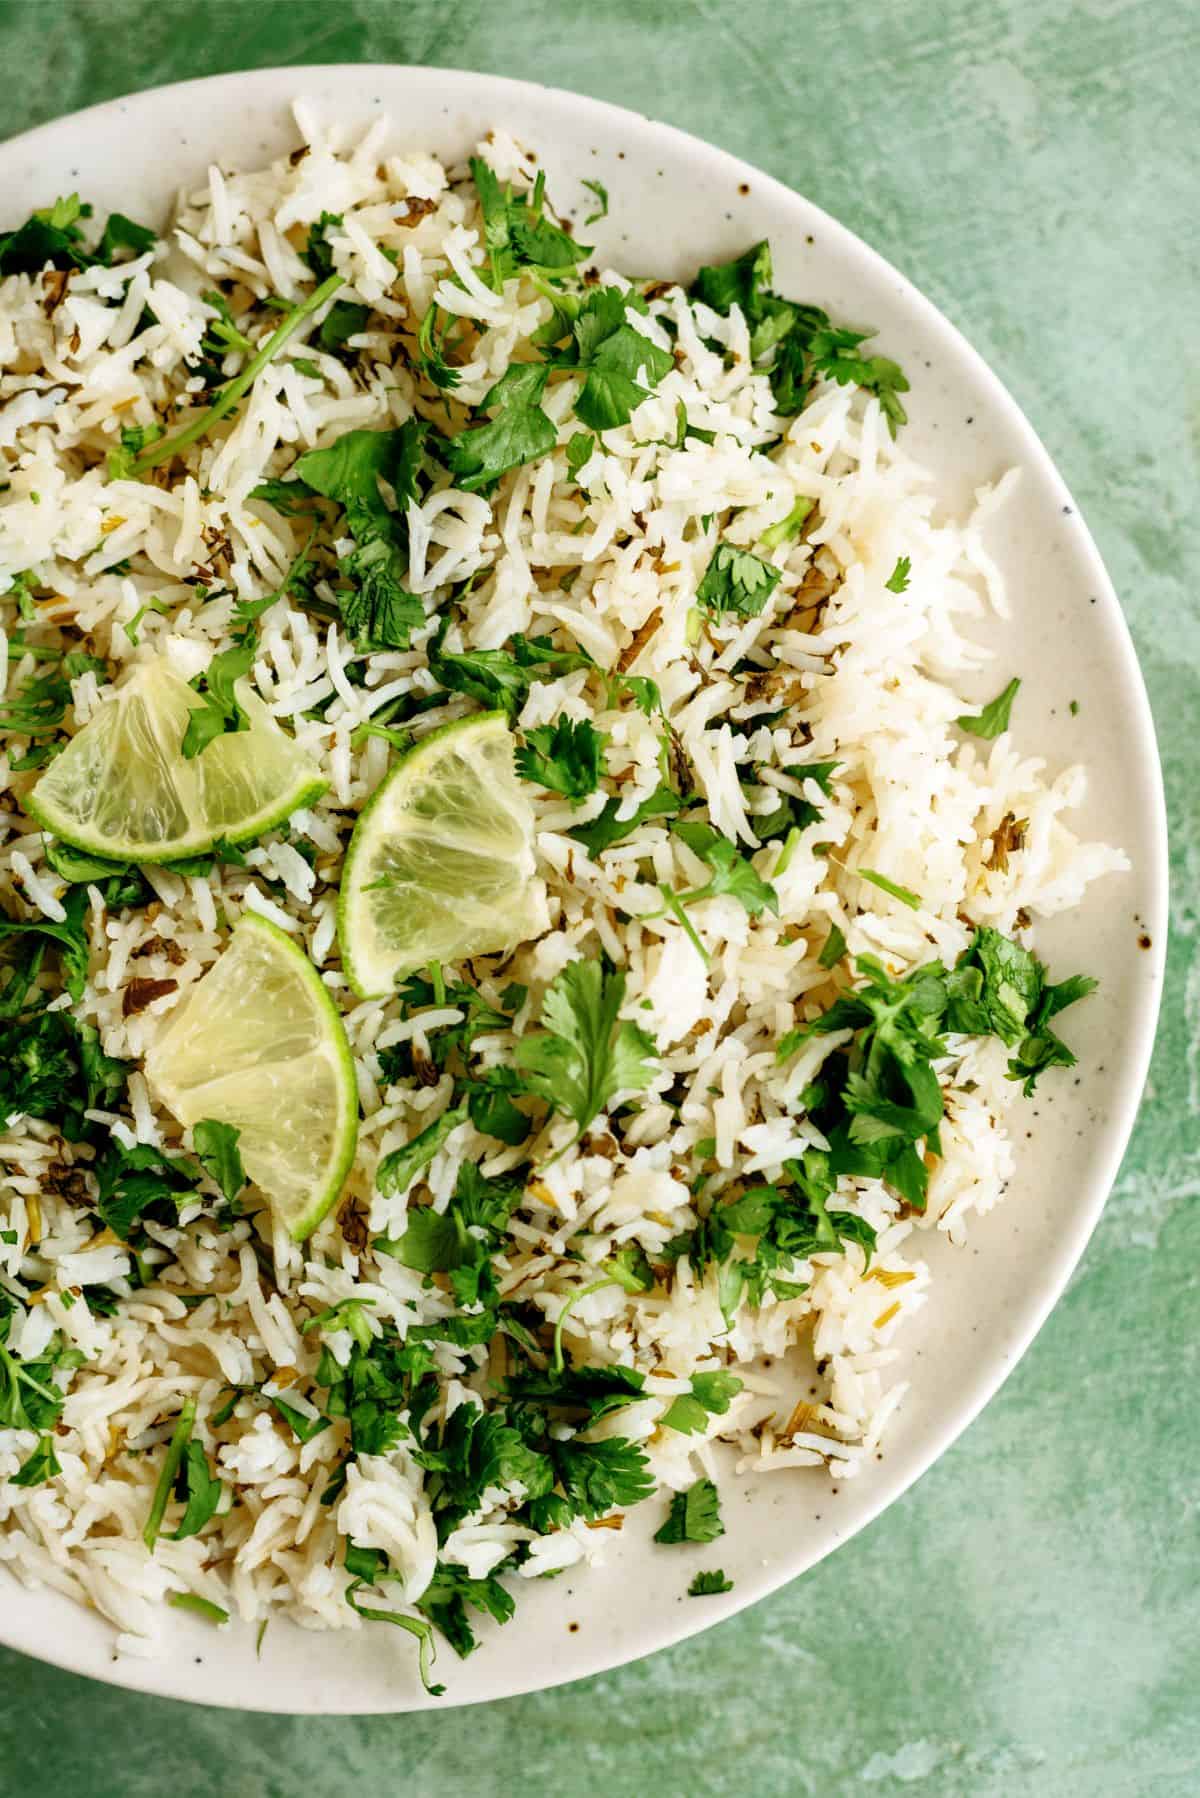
258 1044
441 862
123 788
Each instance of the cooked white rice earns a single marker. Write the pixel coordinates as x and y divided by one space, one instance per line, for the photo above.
871 680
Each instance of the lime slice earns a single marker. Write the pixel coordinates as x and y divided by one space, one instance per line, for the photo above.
258 1044
122 787
441 862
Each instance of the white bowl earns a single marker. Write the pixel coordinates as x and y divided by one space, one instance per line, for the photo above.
677 202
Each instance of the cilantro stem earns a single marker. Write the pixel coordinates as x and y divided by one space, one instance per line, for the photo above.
416 1626
170 1467
675 907
786 853
203 1607
232 392
570 1305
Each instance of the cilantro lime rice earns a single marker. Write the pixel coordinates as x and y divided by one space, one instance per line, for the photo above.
677 1003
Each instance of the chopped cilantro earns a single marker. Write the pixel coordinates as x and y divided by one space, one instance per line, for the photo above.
420 1627
994 717
52 235
609 828
221 710
789 526
41 1465
520 431
694 1516
732 872
564 756
582 1057
833 948
170 1467
343 321
736 581
448 1595
199 1490
203 1607
904 894
398 1170
708 1585
620 364
218 1154
601 192
711 1395
598 1477
516 232
897 580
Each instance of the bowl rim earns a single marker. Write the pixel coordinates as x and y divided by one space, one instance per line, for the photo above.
1143 1019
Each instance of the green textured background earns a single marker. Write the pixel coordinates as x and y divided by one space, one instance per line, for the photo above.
1025 1620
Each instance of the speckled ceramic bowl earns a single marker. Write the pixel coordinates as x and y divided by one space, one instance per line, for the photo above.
676 202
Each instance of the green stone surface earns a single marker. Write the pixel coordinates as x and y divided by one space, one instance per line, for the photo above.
1024 1622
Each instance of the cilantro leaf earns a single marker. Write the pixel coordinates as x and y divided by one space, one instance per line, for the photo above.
793 342
736 581
200 1491
516 233
121 233
354 469
378 612
398 1170
607 829
781 331
52 235
303 1427
598 1477
694 1516
69 937
993 718
132 1181
447 1596
833 948
317 252
593 1391
897 580
580 450
344 320
492 676
490 1104
708 1585
835 352
217 1152
582 1057
1000 988
791 813
620 363
732 872
711 1395
564 756
221 710
41 1465
520 431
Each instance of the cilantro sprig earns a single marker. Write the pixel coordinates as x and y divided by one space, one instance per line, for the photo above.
583 1056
